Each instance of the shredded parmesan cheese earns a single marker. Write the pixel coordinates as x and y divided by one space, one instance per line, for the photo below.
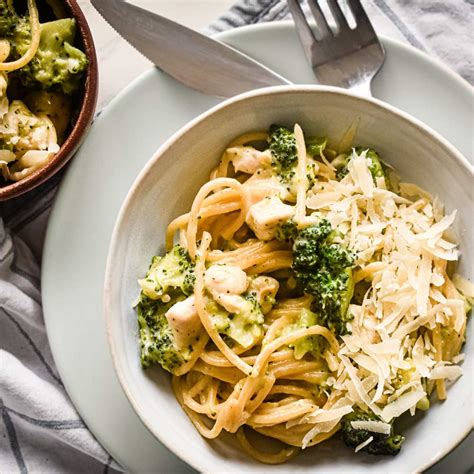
361 174
458 358
372 426
401 405
449 372
320 415
364 444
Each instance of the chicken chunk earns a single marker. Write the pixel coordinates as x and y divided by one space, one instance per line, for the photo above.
264 216
262 185
232 303
225 279
265 289
184 321
226 283
248 159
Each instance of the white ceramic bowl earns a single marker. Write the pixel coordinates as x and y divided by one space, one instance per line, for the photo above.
165 189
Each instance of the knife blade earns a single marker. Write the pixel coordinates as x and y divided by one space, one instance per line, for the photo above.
194 59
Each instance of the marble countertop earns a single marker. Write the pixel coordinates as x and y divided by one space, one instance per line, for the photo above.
111 48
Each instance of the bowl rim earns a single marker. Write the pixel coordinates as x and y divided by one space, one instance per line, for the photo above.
84 119
121 220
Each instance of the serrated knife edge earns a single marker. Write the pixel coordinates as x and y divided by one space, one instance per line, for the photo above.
192 58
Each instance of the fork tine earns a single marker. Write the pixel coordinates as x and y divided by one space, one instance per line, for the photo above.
348 58
304 30
339 17
321 21
360 17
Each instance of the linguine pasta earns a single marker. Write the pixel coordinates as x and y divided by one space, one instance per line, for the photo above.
251 339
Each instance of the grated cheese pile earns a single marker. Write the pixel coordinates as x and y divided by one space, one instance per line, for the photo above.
409 322
409 328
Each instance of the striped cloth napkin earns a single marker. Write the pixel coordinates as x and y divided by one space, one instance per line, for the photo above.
40 431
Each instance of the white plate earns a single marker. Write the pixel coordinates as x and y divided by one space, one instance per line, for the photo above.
123 138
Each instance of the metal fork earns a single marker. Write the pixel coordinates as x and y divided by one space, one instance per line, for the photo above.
348 57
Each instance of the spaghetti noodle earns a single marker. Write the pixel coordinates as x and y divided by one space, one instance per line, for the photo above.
34 43
261 354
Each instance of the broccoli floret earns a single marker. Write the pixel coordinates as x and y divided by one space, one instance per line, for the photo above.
284 151
375 164
316 145
307 246
170 279
8 19
340 163
156 337
333 291
311 344
337 256
282 143
244 327
286 231
173 271
323 269
57 65
381 444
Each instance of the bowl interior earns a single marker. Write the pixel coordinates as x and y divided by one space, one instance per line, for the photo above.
166 189
84 105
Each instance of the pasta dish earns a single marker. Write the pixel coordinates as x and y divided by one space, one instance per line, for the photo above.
40 71
307 292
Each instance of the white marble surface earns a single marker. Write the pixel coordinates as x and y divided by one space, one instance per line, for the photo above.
112 50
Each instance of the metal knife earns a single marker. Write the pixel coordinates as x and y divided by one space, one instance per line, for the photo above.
194 59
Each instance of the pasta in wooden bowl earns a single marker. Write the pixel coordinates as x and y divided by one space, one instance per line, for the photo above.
48 89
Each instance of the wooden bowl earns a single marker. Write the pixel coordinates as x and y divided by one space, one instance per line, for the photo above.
84 112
